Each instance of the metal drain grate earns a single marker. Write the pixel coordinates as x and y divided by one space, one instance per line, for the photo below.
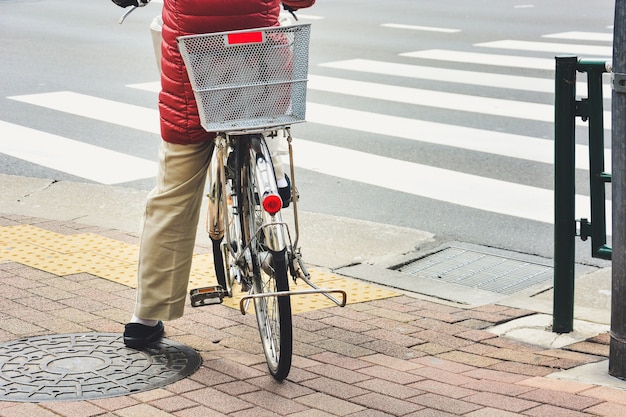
479 270
88 366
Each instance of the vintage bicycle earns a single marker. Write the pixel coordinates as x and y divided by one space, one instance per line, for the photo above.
250 87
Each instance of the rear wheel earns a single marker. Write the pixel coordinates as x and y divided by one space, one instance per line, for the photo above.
269 269
273 314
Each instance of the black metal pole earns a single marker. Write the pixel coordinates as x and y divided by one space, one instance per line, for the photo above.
564 193
617 353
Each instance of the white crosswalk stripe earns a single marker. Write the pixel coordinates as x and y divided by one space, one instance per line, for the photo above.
479 58
77 158
512 82
474 191
135 117
560 48
442 100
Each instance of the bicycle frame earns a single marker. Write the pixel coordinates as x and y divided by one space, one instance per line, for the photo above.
276 232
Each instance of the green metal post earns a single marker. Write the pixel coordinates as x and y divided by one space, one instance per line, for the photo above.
598 178
564 193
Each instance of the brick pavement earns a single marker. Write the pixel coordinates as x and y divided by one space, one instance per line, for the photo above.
399 356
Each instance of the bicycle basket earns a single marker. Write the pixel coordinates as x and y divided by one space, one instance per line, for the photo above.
251 79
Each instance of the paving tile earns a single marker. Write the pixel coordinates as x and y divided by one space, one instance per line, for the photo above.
469 359
492 412
391 362
554 384
26 410
522 368
171 404
152 395
377 401
443 403
552 411
603 338
340 361
74 408
394 337
443 364
287 388
209 377
430 305
312 413
273 402
440 316
393 315
398 327
498 387
236 388
199 411
494 318
344 348
232 369
347 336
330 404
20 327
347 324
560 399
428 412
439 326
613 395
568 354
476 335
334 388
441 388
339 374
442 376
143 410
596 349
371 413
608 409
392 349
388 374
495 375
390 389
114 403
216 400
442 339
430 348
501 402
475 324
515 345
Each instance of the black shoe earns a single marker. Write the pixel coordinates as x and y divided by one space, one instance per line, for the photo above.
138 336
285 193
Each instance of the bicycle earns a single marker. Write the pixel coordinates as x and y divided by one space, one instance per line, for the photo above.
251 85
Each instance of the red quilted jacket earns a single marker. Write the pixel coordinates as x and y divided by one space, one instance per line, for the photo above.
180 122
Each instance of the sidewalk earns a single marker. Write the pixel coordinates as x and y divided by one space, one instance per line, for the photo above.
388 353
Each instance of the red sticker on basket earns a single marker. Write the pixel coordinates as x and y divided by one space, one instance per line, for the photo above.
244 38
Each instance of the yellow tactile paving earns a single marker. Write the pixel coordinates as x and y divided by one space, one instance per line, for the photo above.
116 261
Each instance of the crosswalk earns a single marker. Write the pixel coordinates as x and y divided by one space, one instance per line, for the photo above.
485 193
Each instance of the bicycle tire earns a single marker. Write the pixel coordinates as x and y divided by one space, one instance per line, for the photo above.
273 313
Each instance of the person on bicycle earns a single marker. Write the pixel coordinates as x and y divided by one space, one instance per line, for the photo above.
172 209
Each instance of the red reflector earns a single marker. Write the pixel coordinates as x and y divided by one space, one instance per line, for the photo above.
272 203
245 37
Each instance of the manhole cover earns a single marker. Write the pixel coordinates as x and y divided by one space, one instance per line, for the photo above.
479 270
88 366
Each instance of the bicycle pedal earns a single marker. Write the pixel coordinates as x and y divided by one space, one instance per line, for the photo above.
207 296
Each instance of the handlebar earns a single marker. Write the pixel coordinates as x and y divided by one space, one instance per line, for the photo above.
141 3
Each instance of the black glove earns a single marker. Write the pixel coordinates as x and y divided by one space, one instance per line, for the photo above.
126 3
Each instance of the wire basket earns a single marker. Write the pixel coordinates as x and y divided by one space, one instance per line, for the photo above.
249 80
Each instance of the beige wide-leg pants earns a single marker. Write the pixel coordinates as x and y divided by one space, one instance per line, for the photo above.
170 222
